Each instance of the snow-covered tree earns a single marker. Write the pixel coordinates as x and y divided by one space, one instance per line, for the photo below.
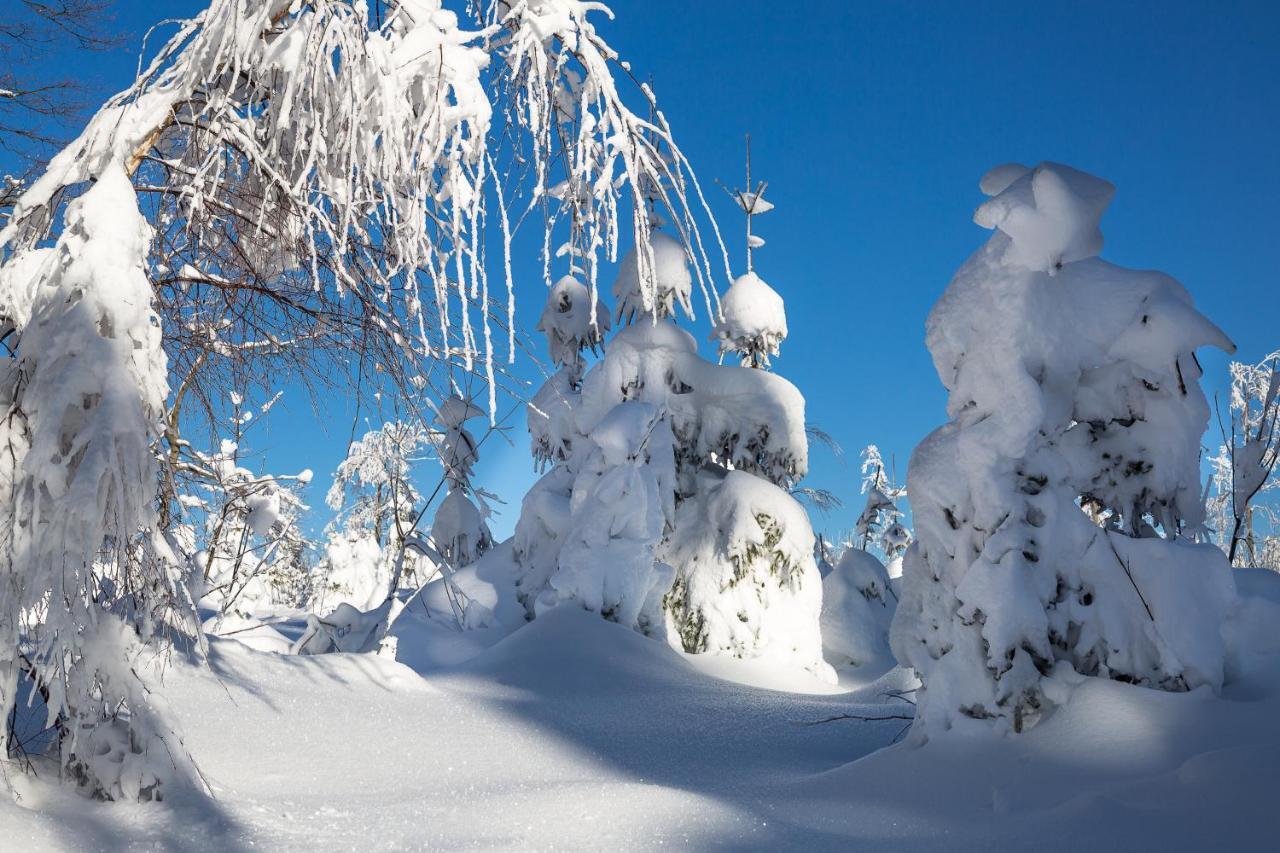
86 578
458 530
376 503
251 552
683 468
880 522
1243 508
1072 383
752 322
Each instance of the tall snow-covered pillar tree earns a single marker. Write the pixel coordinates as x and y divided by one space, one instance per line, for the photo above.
1073 385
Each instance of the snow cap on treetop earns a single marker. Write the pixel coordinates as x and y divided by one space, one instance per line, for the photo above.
1050 213
570 320
671 285
753 318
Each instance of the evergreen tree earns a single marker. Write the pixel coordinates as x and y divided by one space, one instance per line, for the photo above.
1073 385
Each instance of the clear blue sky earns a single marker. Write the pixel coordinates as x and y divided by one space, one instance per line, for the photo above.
873 122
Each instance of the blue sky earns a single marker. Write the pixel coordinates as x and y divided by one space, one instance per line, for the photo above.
873 122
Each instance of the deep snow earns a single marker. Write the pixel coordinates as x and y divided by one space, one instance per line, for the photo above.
574 733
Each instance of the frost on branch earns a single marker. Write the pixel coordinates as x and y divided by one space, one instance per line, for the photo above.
82 402
1054 510
1243 509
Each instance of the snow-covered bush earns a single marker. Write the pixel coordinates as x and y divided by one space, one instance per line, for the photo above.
857 609
1073 386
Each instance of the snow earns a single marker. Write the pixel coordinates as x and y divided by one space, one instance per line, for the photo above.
664 289
1050 213
857 609
753 319
577 734
746 584
571 321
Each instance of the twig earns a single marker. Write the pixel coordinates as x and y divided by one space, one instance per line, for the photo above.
867 718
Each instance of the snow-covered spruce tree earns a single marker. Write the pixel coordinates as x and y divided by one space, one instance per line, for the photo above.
752 319
1072 383
458 531
1243 511
858 597
667 460
879 522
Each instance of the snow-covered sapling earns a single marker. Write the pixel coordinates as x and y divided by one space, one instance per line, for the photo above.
376 501
459 530
1245 464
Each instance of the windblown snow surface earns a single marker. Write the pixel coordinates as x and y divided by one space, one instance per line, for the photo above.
574 733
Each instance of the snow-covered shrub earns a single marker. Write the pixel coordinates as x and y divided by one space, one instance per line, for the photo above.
1073 386
353 570
857 609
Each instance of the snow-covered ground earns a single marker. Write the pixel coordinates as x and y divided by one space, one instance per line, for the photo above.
574 733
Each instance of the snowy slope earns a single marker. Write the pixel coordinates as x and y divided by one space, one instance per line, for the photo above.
574 733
